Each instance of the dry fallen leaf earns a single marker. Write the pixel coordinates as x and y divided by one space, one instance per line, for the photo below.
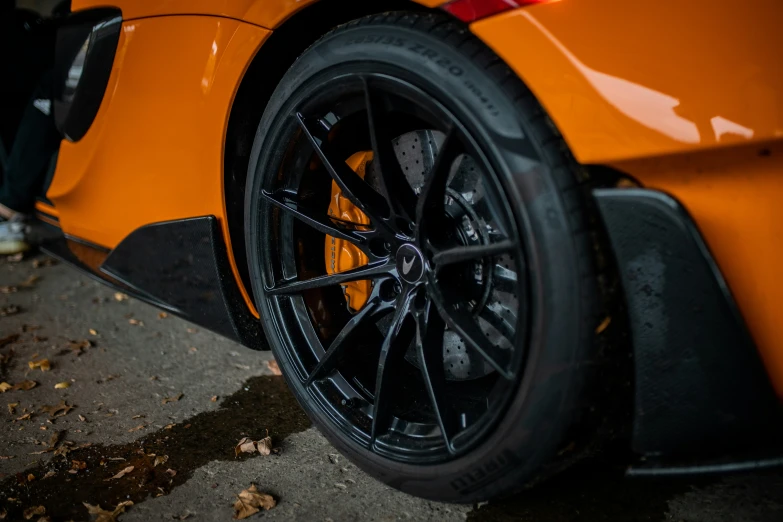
192 349
78 465
245 445
6 457
15 258
265 445
8 339
9 310
12 407
137 428
136 322
82 418
78 347
93 331
603 326
25 385
62 385
49 474
214 398
167 400
4 387
8 289
168 426
119 296
29 282
121 473
107 516
30 477
137 417
33 511
40 263
162 315
273 367
26 416
251 501
55 438
160 459
42 364
171 472
58 410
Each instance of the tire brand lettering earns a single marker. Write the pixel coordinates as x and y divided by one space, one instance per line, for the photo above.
485 474
385 40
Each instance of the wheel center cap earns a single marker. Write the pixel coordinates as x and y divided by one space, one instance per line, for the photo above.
410 263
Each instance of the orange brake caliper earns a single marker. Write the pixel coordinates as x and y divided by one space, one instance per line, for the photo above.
342 255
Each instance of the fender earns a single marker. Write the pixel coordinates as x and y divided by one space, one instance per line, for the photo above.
264 13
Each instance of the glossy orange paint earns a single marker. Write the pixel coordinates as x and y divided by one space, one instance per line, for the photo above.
47 209
155 150
687 97
626 80
265 13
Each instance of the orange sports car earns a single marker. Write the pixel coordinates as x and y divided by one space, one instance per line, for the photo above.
481 237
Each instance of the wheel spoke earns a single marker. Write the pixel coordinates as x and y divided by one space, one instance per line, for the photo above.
463 323
324 224
504 280
431 205
370 271
387 381
498 322
352 185
373 310
468 253
395 184
429 348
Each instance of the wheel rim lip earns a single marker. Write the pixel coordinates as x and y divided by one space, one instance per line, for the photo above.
315 391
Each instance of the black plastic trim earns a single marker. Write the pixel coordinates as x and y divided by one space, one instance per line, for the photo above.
701 390
73 117
183 267
731 465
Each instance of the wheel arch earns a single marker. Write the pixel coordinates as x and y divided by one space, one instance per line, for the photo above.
288 41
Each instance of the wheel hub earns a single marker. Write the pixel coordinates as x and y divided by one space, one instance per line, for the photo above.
410 263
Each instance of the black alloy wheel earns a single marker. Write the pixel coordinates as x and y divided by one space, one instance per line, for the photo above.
426 384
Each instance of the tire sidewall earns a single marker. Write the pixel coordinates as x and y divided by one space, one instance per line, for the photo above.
543 407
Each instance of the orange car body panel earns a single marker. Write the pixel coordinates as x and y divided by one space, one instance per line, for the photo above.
155 150
265 13
687 97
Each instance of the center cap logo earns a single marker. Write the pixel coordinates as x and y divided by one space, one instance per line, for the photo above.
410 263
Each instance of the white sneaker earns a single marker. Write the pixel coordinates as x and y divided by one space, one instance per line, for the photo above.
13 237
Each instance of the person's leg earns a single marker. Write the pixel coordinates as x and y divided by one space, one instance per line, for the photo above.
36 140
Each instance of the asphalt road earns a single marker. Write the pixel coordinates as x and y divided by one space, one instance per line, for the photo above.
219 392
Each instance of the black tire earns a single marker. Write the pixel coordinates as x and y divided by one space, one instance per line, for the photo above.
550 205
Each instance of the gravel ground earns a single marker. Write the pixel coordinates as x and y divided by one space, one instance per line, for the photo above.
121 360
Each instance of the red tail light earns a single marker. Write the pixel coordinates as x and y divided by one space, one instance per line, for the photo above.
472 10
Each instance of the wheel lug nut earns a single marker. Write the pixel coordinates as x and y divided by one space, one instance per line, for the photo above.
387 246
397 288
